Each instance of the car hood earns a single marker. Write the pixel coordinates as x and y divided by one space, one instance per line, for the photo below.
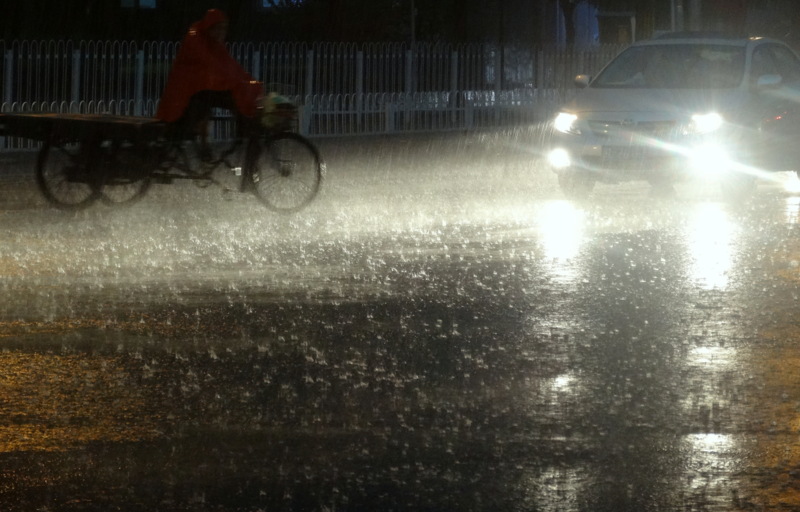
644 104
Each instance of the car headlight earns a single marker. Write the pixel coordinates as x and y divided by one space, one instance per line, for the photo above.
565 123
706 123
559 158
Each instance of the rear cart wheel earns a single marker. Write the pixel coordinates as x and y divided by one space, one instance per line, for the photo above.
126 174
284 171
65 177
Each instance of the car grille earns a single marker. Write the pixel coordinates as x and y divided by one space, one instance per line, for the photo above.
631 157
646 128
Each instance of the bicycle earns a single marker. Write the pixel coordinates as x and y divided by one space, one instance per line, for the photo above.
115 159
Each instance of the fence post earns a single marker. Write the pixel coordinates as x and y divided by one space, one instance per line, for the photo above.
306 109
257 65
359 88
8 67
8 82
453 88
138 95
304 112
309 89
76 78
389 117
498 83
409 72
409 93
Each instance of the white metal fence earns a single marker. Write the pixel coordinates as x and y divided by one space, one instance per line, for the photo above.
342 89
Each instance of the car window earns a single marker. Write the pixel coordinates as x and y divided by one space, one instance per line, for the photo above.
762 64
683 66
786 63
775 60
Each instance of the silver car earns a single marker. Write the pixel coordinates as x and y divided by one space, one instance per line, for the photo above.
679 106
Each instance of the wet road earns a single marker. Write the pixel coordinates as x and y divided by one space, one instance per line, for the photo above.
440 330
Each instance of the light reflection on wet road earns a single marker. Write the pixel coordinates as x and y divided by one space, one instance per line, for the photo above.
441 330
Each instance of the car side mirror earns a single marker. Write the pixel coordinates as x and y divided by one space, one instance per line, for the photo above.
769 81
582 80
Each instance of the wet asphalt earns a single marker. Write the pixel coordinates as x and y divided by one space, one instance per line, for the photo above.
440 330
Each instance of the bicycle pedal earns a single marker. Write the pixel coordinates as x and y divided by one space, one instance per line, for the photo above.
200 174
203 182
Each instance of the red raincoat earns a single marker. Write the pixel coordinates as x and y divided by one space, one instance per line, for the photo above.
204 63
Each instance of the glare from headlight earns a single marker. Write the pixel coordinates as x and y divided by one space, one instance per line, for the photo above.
559 158
565 122
706 123
710 158
792 183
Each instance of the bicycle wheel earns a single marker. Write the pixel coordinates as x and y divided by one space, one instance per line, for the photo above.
285 172
126 175
65 178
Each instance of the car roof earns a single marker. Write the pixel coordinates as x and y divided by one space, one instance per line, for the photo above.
698 35
679 38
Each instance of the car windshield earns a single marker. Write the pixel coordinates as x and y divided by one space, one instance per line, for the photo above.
671 66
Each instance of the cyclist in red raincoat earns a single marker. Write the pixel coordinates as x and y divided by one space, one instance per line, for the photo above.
205 76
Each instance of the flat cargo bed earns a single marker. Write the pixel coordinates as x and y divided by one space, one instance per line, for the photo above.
55 127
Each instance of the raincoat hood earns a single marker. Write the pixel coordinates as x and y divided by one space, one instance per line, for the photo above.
204 64
212 17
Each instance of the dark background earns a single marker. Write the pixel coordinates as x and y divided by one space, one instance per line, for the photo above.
455 21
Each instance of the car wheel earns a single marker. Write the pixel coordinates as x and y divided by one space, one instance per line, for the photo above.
575 184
